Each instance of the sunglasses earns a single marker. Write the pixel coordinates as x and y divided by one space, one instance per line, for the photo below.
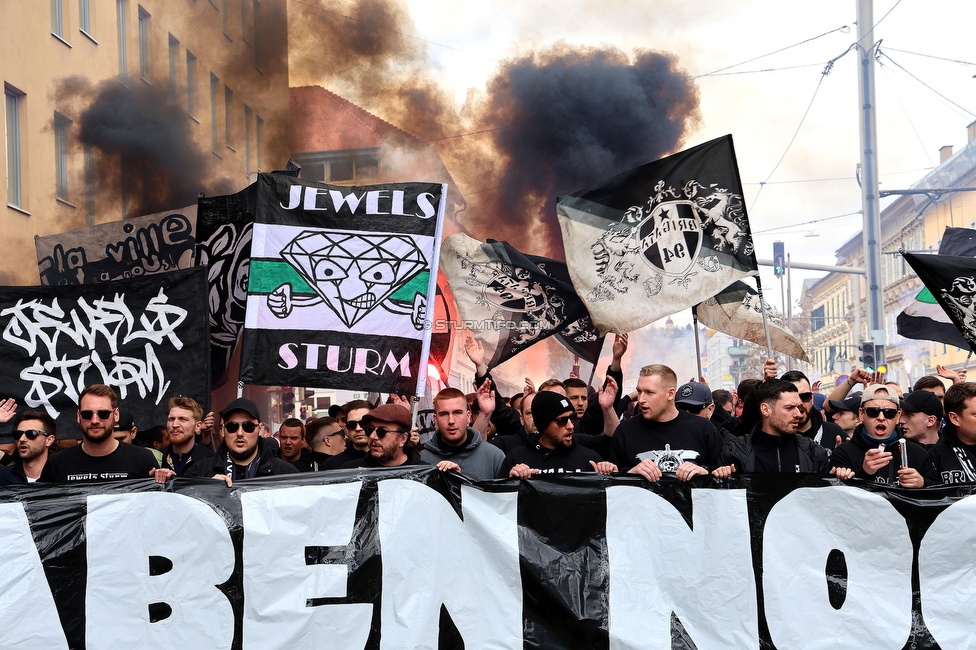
352 425
806 397
30 433
564 420
380 431
232 427
87 415
690 408
874 411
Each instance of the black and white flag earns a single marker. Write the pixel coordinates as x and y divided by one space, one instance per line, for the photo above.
338 285
659 238
145 337
952 282
509 300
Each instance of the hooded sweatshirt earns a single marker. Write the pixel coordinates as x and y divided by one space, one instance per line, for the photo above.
479 461
954 460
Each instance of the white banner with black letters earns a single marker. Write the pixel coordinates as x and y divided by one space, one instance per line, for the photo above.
416 559
338 284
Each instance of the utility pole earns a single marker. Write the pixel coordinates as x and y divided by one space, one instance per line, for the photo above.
866 40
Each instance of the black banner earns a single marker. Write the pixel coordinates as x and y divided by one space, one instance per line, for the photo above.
413 558
146 337
338 284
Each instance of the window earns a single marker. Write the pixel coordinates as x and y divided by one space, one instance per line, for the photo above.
257 18
247 140
143 44
214 85
246 25
174 52
258 133
84 16
223 17
120 11
359 166
12 101
191 69
57 18
89 185
817 318
61 126
228 121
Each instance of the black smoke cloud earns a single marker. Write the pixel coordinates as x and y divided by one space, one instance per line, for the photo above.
566 118
143 144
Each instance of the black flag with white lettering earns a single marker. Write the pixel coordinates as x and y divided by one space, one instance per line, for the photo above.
145 337
951 280
338 285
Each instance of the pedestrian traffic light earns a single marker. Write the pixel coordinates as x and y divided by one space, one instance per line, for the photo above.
868 358
779 259
287 400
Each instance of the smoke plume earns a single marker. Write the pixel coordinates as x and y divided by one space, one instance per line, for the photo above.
143 146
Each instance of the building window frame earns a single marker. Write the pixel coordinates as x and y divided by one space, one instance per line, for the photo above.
214 86
89 172
123 63
247 140
84 18
191 65
61 127
174 52
144 17
229 118
258 135
13 107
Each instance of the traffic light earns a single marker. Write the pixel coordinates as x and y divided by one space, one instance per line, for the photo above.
868 358
779 259
287 401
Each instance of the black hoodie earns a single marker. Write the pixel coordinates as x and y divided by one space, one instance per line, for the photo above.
265 463
955 461
823 432
851 455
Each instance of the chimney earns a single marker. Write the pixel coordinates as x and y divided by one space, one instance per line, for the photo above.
945 153
971 131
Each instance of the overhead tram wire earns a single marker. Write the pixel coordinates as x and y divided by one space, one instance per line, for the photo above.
843 29
882 53
805 223
823 75
931 56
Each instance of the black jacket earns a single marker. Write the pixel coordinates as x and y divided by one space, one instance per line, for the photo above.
413 458
807 456
724 422
12 474
552 461
200 454
264 464
955 461
823 432
851 455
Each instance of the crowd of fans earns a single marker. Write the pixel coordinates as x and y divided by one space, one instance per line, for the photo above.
769 424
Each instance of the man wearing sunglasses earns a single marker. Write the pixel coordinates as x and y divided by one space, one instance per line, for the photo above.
555 451
812 424
357 442
34 434
388 431
244 453
99 457
873 451
326 439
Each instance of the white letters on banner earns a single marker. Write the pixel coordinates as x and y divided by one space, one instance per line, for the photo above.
946 563
430 557
801 531
156 555
28 617
658 566
278 526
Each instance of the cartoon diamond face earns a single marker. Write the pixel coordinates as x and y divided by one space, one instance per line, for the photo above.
353 272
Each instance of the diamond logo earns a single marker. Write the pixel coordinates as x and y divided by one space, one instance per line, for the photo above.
353 272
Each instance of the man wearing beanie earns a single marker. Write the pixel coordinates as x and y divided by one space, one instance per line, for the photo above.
873 452
555 451
921 417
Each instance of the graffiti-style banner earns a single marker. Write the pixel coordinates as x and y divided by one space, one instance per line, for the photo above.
154 243
413 558
146 337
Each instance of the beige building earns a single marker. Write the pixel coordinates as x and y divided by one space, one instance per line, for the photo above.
173 97
916 223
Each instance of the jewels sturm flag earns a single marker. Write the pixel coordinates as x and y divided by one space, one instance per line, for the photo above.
338 285
659 238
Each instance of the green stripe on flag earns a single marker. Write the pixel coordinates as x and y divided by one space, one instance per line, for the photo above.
926 296
416 284
268 275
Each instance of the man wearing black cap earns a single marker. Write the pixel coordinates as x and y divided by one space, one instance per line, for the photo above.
388 430
955 454
846 413
921 417
244 453
554 452
873 451
695 398
125 428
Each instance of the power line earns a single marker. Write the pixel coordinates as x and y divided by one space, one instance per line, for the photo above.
461 135
843 29
836 178
931 56
870 31
933 90
787 67
805 223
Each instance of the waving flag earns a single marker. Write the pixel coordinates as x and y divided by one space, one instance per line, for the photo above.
952 282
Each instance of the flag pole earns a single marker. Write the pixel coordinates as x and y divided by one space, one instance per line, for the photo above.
694 322
595 363
762 308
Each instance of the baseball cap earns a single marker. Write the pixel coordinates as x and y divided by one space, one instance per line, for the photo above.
243 404
850 404
879 391
694 393
547 406
125 421
923 401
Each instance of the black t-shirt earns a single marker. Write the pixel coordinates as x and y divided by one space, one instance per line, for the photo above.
73 465
685 438
552 461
